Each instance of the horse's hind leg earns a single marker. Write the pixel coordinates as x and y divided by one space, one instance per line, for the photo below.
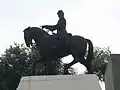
86 64
67 66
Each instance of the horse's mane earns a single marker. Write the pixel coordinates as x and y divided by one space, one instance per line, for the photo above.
39 29
36 29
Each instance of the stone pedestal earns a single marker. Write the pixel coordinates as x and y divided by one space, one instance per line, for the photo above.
112 75
60 82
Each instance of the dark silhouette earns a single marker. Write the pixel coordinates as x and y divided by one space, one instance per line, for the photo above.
74 45
10 80
60 27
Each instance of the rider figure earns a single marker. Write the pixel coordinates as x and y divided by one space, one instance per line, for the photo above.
60 26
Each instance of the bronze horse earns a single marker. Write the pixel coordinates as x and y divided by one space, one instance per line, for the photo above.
74 45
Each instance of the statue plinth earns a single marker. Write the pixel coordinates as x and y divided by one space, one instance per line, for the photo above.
112 75
60 82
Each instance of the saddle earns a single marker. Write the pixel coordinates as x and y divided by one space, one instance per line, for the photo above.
60 42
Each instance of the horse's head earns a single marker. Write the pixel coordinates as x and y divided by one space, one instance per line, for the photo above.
27 36
35 33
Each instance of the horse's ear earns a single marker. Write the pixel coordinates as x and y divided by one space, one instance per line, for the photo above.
27 28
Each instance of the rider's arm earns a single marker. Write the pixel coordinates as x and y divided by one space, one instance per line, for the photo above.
61 25
50 27
47 26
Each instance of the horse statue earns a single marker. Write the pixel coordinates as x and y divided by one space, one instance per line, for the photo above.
74 45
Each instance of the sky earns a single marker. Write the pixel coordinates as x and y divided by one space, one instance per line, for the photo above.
97 20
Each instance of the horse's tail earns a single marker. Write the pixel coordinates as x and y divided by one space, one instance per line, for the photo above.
89 57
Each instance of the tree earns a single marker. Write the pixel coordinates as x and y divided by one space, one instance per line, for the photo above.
17 62
13 65
101 57
18 59
54 67
99 63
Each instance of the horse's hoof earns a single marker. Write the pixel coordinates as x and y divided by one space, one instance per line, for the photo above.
66 72
89 73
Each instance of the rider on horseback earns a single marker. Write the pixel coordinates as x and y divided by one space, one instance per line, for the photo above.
60 26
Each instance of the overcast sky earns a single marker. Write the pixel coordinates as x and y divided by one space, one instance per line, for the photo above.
98 20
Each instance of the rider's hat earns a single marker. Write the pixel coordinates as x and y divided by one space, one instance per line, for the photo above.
60 11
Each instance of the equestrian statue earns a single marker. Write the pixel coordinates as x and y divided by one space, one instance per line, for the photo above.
52 47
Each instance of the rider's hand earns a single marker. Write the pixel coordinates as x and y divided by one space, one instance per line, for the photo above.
44 26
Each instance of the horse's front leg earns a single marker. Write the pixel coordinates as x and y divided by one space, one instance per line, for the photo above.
34 66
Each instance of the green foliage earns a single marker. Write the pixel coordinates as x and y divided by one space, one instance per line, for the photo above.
101 57
12 66
56 65
19 59
15 56
22 58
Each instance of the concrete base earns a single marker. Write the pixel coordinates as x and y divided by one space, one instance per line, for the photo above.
112 75
60 82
